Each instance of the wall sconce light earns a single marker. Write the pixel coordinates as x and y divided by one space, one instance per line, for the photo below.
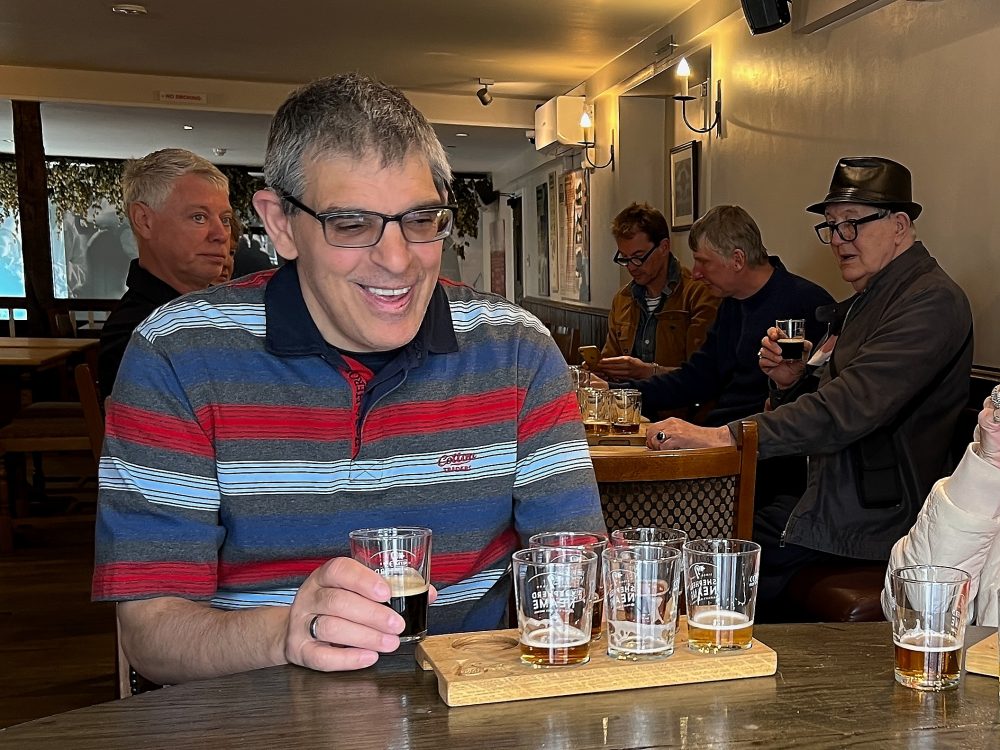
684 72
484 95
587 123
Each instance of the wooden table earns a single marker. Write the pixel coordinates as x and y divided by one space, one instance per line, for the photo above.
35 353
834 689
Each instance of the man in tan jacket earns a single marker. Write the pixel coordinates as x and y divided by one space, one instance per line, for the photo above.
661 317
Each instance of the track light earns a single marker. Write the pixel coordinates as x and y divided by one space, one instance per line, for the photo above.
484 95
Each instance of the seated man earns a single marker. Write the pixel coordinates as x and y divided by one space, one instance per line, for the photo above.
178 206
959 525
756 289
255 424
870 409
660 318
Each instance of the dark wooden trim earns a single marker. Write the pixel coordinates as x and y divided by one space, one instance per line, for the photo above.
591 322
573 307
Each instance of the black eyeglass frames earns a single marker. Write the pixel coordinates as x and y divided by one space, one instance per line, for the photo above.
634 260
365 228
847 229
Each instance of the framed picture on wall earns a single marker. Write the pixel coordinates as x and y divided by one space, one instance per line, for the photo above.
683 185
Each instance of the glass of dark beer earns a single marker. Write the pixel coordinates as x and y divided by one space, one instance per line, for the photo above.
626 411
554 591
930 607
720 577
401 555
592 541
791 338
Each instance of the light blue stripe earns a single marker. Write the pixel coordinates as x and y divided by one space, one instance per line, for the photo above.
468 315
159 486
558 458
200 314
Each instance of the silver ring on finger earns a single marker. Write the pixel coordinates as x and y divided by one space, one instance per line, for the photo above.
660 437
995 398
760 354
312 627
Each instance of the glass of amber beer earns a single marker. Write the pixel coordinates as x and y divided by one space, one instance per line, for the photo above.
626 411
720 578
640 581
930 604
595 406
592 541
401 555
554 591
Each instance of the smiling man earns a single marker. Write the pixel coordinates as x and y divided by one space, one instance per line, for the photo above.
178 207
661 317
255 425
875 408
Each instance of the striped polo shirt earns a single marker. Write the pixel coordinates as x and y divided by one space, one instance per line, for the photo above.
241 449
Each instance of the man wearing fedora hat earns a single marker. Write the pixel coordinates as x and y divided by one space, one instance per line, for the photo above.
876 405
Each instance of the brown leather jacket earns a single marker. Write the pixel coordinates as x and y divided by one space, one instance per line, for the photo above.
681 324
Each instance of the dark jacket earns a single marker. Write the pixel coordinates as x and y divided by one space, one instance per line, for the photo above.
878 424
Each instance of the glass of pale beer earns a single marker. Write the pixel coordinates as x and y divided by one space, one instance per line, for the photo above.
720 577
401 555
791 338
595 406
554 591
594 542
626 411
930 606
640 584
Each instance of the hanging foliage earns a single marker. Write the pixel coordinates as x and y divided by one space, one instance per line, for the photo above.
82 185
468 190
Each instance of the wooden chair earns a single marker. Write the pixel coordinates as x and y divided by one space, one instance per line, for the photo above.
93 408
568 341
708 492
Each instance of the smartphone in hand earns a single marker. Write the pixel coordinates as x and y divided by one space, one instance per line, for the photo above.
590 354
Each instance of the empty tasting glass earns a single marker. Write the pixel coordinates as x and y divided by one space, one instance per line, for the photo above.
595 406
402 556
579 376
721 583
930 604
640 584
554 590
791 338
671 537
592 542
626 411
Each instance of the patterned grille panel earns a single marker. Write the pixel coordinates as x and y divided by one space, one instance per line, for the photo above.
702 507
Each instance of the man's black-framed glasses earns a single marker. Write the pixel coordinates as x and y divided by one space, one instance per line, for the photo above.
847 229
634 260
365 228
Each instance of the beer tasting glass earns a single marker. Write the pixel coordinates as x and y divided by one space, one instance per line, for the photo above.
401 555
721 584
579 376
672 537
930 604
595 406
554 590
791 338
626 411
640 584
593 542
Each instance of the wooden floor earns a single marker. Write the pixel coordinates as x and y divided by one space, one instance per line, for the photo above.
56 648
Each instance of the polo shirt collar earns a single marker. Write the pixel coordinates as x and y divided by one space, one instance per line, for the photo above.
291 331
141 282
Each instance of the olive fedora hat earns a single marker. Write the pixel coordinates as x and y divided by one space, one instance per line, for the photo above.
873 181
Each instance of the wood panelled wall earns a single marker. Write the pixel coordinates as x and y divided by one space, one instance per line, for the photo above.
591 322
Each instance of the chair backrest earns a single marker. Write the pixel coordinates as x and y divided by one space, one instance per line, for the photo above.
708 492
568 341
93 408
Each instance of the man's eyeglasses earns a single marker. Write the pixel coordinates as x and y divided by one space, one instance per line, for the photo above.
634 260
365 228
848 229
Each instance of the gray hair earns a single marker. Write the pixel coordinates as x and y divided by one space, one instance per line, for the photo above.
348 115
728 228
150 179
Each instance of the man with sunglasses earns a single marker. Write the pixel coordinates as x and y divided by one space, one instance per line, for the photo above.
876 406
254 425
661 317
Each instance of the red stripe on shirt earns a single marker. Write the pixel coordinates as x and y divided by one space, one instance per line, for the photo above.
144 427
235 575
233 422
131 579
260 278
423 417
562 410
452 567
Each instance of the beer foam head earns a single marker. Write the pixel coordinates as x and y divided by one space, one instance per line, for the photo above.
404 581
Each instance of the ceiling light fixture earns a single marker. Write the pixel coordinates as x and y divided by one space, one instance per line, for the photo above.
484 95
129 9
461 135
188 127
219 151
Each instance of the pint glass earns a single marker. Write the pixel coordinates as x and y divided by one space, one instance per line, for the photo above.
640 584
721 583
401 555
593 542
930 604
554 591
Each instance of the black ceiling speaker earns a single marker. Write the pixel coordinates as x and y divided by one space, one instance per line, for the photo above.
766 15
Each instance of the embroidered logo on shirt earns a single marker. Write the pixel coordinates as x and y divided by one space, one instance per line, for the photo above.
457 461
